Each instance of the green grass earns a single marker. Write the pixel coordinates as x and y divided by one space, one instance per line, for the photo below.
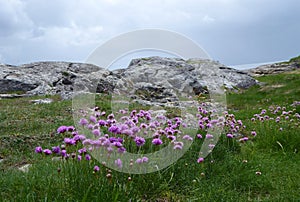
224 175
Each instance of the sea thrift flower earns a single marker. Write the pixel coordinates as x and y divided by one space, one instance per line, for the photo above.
229 135
87 157
79 157
145 159
253 133
139 161
139 141
82 151
102 123
96 132
70 128
83 122
96 168
93 119
114 129
157 141
69 141
118 162
209 136
187 137
121 150
199 136
63 153
38 150
200 160
257 173
56 150
47 151
62 129
244 139
177 147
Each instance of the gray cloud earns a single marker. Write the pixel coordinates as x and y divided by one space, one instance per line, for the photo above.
231 31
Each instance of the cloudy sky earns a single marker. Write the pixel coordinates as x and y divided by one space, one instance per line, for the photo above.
231 31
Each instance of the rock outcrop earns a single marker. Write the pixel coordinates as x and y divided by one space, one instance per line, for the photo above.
275 68
152 79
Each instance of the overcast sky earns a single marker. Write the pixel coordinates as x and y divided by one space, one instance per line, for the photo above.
231 31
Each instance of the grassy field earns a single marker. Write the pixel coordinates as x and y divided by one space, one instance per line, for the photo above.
265 168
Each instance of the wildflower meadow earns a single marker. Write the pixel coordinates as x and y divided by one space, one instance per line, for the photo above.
256 157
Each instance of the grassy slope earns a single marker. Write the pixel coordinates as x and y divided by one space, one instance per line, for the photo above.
24 126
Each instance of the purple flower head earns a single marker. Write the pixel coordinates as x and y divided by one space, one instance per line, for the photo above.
171 137
187 137
244 139
70 141
253 133
143 125
96 132
177 147
118 162
200 160
56 150
62 129
113 139
82 151
139 141
117 144
199 136
63 153
208 125
47 151
135 129
38 150
121 150
75 133
111 116
90 126
79 157
102 123
70 128
229 135
211 146
209 136
127 132
139 161
157 141
87 142
83 122
96 168
114 129
133 113
93 119
145 159
87 157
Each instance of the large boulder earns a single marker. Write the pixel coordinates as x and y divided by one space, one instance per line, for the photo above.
153 79
42 78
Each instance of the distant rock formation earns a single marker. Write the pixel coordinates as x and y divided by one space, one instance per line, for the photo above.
276 68
152 79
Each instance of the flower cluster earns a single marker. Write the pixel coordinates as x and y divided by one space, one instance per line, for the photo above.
140 129
281 115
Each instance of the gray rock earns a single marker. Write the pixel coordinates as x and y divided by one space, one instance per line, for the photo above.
153 80
51 78
42 101
275 68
